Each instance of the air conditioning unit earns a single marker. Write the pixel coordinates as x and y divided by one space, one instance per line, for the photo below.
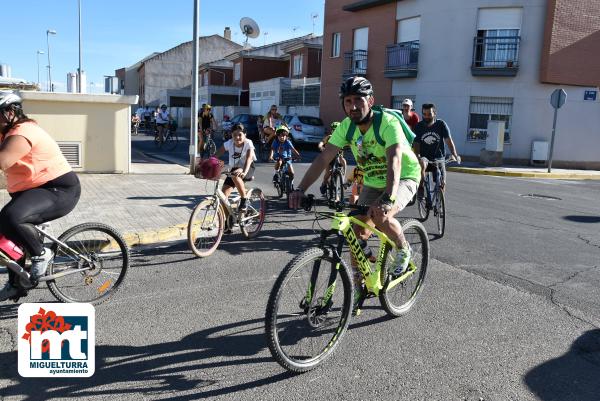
539 153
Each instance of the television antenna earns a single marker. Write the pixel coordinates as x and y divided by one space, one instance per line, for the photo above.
295 28
249 28
314 17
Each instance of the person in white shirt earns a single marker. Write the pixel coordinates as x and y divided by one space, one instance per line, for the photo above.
241 162
162 122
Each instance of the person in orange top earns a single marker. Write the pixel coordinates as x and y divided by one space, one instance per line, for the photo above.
40 182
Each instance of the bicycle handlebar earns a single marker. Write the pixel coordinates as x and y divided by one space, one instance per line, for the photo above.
309 201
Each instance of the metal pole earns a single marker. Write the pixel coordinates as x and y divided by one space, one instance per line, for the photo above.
49 74
194 120
552 142
79 88
38 65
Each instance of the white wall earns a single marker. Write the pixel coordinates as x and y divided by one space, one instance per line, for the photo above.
444 78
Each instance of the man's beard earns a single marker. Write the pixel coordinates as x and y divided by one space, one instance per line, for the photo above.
360 119
428 120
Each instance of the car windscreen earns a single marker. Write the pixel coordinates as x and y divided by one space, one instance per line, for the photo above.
310 120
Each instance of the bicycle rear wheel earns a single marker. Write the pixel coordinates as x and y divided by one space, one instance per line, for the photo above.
439 211
205 228
102 271
212 148
254 218
309 310
397 300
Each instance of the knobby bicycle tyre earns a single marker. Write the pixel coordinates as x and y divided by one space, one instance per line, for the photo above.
400 299
109 255
171 141
440 213
303 328
422 202
205 227
337 187
256 208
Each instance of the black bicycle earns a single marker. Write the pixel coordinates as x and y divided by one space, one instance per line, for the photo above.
170 138
335 185
431 196
283 182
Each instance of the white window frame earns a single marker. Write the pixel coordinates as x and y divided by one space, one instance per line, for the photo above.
336 41
297 65
236 71
494 108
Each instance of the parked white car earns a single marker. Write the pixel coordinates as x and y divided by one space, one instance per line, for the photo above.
305 129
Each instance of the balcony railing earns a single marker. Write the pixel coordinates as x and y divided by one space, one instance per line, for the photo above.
402 60
355 63
496 55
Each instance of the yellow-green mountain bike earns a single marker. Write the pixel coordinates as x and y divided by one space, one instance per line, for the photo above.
311 303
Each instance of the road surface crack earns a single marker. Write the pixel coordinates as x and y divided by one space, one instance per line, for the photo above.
588 241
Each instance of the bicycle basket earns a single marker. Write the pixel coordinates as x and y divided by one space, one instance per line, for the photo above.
209 169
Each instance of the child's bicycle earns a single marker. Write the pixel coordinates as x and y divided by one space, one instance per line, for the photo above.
216 214
89 264
334 191
283 182
311 303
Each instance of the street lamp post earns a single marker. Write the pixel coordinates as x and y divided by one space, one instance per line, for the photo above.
79 71
38 63
91 86
48 33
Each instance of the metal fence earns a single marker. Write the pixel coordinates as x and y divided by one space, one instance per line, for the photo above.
496 52
300 92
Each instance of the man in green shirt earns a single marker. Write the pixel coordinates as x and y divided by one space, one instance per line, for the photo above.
391 169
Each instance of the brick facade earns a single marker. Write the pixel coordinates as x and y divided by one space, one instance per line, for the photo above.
381 21
571 51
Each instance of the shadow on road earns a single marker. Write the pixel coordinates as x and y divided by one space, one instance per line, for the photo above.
573 376
151 370
192 200
582 219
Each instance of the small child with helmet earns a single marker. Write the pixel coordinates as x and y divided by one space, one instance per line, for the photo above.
282 151
340 158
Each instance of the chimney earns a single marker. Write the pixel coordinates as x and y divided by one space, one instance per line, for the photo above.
227 33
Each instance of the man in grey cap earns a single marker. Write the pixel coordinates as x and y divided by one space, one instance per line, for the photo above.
411 117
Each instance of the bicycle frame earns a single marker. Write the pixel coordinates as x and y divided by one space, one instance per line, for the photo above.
225 203
431 193
374 279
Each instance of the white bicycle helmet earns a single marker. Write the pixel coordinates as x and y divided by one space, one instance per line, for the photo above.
8 98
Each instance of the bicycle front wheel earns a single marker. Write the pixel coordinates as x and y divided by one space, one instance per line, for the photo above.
205 228
398 298
337 187
422 202
171 141
212 148
253 220
440 213
309 310
93 268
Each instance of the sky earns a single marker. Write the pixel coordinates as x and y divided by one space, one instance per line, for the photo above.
117 34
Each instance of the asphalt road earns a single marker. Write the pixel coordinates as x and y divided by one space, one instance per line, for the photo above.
509 312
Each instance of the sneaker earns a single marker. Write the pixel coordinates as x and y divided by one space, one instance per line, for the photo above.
39 264
323 189
8 291
242 207
401 261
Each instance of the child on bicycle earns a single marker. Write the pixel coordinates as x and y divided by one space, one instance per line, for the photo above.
340 159
356 180
241 162
282 151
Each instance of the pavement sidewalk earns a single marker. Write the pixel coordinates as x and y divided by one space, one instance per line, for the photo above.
525 172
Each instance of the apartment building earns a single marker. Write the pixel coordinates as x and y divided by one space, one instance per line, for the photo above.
478 61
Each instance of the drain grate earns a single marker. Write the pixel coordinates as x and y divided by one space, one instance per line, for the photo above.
538 196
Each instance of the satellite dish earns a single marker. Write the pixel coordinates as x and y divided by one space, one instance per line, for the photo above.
249 28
